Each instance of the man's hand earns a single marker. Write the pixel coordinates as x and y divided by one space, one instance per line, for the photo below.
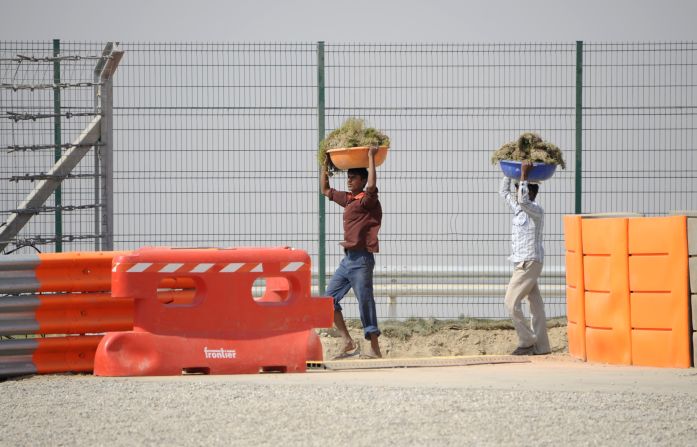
525 166
372 176
324 178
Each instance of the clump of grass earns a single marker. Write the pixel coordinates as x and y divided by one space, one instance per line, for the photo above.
352 133
530 147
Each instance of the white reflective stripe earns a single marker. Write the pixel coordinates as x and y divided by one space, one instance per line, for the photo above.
116 266
201 268
169 268
139 267
258 268
293 267
232 267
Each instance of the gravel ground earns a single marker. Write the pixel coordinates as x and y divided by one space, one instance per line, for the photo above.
343 408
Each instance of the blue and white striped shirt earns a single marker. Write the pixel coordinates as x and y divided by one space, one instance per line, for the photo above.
528 222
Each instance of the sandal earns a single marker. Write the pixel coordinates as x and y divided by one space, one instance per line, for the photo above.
356 350
346 355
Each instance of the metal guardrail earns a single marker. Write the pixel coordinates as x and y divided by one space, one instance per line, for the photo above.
394 282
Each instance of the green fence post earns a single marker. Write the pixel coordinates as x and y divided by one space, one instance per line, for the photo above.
579 126
320 136
57 141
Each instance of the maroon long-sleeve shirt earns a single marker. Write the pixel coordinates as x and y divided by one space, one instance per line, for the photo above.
362 218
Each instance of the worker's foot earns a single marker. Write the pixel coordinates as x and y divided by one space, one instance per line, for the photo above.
374 351
529 350
349 346
350 349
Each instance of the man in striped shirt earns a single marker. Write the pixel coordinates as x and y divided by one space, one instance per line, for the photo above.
527 257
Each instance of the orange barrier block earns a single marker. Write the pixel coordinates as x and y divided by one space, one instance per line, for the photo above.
575 301
69 313
75 272
47 355
74 313
658 281
56 272
224 329
83 313
65 354
605 273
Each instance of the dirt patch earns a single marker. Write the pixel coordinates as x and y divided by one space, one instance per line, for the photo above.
429 338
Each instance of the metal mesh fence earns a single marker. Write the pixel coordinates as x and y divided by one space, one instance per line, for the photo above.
215 145
40 85
640 103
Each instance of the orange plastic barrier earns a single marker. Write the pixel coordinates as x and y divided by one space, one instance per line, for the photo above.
57 272
224 329
48 355
606 298
74 313
658 281
75 272
78 311
61 354
83 313
629 301
57 298
575 288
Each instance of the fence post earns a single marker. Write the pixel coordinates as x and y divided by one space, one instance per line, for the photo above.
106 92
57 141
579 127
320 136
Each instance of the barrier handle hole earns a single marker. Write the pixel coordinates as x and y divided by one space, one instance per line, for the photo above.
273 369
274 289
196 370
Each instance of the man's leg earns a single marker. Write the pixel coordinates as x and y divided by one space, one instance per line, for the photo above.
349 344
522 281
362 282
338 286
539 321
375 345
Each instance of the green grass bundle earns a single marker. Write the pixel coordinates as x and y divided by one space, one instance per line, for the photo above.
530 147
352 133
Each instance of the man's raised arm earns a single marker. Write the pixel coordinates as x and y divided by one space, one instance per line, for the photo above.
372 176
324 181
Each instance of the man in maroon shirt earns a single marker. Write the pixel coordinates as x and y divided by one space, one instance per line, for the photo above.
362 219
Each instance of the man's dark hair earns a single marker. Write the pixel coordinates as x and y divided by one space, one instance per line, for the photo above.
362 172
533 189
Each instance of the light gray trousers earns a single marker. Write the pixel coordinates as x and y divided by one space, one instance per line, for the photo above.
523 284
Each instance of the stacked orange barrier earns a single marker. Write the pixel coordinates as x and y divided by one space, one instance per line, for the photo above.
69 313
224 329
628 302
659 291
48 355
605 267
692 265
57 309
575 288
56 272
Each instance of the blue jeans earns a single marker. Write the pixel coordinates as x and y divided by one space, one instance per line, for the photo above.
356 272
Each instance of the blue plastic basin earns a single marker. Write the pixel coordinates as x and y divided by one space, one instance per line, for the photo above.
538 172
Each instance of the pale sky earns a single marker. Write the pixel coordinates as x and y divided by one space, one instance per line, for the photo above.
425 21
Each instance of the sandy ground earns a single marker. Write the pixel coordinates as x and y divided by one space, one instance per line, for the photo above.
433 338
